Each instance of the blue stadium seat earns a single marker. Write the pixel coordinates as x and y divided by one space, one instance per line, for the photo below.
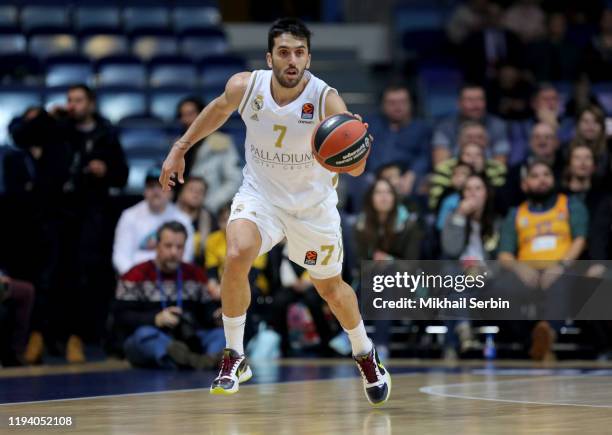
12 40
139 165
195 17
148 43
425 43
36 16
87 17
172 71
121 70
143 132
68 70
604 95
440 102
101 42
8 15
216 70
51 41
200 43
14 101
409 17
209 93
55 96
145 17
116 103
163 101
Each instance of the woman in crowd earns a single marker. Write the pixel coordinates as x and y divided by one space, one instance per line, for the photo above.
591 131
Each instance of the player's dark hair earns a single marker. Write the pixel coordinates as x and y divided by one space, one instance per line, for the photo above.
196 101
293 26
173 226
91 95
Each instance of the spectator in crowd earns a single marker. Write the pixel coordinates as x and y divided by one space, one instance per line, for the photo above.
597 62
297 287
508 95
173 326
555 57
591 131
385 230
578 179
546 107
472 107
135 235
400 138
448 199
214 159
543 146
16 301
190 200
216 250
485 50
467 18
526 19
540 238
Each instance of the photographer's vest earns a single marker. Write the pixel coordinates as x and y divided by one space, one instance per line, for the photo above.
546 235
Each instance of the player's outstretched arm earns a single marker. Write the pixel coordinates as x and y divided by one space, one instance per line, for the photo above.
211 118
334 104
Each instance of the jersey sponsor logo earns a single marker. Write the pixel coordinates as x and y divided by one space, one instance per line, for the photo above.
257 103
284 160
308 111
310 258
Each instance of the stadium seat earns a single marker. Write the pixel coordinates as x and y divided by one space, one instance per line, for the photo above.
172 71
8 15
410 17
195 17
67 70
209 93
14 101
51 41
200 43
97 43
12 40
35 16
164 101
116 103
148 43
121 70
145 17
216 70
87 17
441 102
424 43
54 96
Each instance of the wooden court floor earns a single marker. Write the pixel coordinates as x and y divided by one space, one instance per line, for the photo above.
427 398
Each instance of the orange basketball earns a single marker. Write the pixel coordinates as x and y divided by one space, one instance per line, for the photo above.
340 143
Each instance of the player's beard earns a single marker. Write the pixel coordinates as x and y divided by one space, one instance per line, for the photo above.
279 74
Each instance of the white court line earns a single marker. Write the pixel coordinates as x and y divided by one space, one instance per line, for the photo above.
431 390
187 390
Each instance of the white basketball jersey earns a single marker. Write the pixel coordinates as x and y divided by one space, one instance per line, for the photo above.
279 160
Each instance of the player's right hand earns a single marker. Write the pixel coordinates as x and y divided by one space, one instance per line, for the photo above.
174 165
168 318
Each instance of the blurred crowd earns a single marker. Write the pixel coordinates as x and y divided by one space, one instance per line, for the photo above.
520 173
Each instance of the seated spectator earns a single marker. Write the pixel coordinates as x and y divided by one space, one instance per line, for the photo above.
546 107
472 107
214 158
385 230
216 250
392 172
543 146
137 227
164 312
578 179
591 131
486 49
597 60
555 57
508 95
536 258
297 287
399 138
16 301
190 200
450 196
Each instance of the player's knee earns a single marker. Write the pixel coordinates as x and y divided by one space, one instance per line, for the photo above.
330 290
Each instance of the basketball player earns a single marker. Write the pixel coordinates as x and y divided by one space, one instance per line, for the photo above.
285 193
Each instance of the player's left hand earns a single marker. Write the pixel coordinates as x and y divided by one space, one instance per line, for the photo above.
174 164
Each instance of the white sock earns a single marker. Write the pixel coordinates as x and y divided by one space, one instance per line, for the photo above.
360 342
233 327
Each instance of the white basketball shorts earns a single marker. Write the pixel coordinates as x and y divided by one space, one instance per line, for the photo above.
314 235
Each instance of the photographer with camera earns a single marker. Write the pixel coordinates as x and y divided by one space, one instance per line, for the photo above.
164 309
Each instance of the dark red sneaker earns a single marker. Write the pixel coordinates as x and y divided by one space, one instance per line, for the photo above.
376 379
234 370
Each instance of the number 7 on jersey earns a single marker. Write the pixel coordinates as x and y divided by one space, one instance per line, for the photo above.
281 136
